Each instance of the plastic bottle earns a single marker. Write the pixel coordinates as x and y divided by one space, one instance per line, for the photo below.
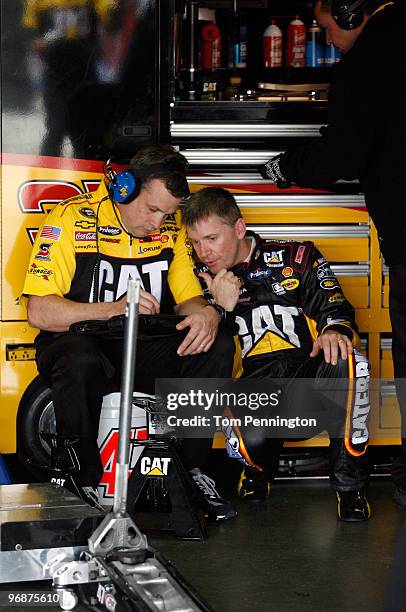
272 46
210 47
332 55
296 43
315 46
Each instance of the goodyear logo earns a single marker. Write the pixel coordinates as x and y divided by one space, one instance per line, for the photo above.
155 467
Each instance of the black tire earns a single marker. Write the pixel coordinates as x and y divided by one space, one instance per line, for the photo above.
35 414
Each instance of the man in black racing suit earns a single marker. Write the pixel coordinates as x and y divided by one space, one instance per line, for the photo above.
365 140
279 291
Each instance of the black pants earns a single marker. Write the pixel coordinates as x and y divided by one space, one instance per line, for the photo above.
82 369
397 310
338 398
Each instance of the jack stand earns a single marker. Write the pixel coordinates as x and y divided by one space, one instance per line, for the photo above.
173 501
120 571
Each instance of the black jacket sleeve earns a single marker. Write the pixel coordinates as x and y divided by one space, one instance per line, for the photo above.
323 299
343 149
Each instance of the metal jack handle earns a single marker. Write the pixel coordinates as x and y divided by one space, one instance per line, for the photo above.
127 386
117 530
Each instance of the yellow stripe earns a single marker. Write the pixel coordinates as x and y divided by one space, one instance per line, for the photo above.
381 8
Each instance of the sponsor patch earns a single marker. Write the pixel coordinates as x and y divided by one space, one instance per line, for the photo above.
324 271
51 232
148 249
288 271
258 273
40 271
329 284
274 259
85 236
336 298
169 228
150 238
106 239
109 230
85 224
300 253
164 238
44 251
278 289
319 261
87 212
290 283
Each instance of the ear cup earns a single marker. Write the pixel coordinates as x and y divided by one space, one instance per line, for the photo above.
348 15
125 187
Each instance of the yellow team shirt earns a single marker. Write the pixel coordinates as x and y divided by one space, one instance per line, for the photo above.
83 253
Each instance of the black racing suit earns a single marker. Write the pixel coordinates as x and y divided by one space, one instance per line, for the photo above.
365 139
289 289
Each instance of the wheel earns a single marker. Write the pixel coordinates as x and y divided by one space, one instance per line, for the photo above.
35 414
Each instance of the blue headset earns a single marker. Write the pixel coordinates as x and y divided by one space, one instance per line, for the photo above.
126 185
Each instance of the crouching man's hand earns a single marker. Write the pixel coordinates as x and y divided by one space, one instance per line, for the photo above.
334 345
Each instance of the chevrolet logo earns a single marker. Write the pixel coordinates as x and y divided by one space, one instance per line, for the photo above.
85 224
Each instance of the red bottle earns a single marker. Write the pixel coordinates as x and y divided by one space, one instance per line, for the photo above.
296 43
272 46
210 47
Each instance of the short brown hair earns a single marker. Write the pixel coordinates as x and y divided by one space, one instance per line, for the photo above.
173 170
211 201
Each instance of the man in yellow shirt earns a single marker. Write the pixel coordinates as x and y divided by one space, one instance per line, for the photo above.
82 258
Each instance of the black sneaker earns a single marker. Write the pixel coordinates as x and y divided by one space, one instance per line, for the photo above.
253 486
216 508
399 496
353 506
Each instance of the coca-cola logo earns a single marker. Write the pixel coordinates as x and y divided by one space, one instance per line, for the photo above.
109 230
85 236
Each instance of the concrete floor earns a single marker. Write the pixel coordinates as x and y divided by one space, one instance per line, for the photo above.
293 554
288 554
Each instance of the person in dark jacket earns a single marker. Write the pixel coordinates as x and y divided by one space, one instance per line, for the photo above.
296 330
365 139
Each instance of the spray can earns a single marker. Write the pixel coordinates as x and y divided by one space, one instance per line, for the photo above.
272 46
296 43
240 48
332 55
314 46
210 47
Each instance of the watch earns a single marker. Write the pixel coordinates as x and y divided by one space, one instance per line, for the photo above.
227 318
